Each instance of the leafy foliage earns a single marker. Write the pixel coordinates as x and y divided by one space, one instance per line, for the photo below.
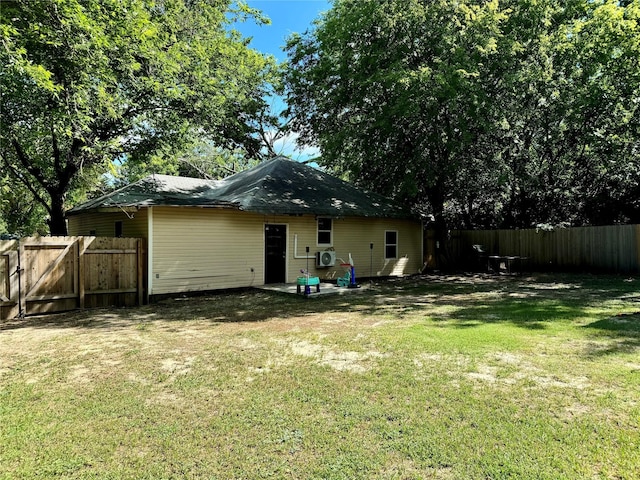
199 159
493 114
20 213
85 82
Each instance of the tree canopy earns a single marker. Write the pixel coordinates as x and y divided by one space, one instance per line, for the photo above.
482 113
84 82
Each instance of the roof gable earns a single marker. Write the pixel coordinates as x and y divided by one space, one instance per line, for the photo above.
277 186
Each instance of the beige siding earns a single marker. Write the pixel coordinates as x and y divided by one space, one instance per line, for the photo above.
103 224
206 249
196 249
354 235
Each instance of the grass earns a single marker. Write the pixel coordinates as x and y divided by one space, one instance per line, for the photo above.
431 377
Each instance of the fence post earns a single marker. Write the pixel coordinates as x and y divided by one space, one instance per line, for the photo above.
81 272
22 280
9 305
139 268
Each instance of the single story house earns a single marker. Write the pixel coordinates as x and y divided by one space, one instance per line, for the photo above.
260 226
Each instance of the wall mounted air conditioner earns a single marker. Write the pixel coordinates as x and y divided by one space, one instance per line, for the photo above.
326 258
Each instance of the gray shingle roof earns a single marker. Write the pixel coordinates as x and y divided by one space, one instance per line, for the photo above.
277 186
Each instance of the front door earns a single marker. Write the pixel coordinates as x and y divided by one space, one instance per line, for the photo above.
275 249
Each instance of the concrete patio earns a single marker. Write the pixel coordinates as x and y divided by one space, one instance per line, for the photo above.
325 289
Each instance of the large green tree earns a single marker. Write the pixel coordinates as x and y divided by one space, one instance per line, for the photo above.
389 91
564 143
84 82
484 113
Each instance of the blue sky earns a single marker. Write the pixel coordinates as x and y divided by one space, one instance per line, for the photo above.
287 17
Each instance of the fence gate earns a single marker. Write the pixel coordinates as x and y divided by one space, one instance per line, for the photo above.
8 281
64 273
50 274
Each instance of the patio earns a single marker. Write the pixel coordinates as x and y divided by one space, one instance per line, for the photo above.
325 289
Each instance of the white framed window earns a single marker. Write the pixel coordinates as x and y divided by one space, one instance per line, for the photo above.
391 244
325 232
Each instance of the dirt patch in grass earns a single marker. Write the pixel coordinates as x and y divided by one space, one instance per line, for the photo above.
355 362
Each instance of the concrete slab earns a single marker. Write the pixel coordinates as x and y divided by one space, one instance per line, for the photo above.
325 289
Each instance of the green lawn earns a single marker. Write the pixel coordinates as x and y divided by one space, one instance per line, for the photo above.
436 377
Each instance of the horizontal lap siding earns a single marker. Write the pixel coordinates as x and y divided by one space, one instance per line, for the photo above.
304 228
354 235
103 224
205 249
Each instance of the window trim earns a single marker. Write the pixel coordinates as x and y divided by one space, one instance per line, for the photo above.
324 231
387 245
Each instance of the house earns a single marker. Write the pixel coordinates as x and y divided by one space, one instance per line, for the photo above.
260 226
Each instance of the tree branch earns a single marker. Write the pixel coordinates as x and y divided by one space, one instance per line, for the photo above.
56 149
15 173
26 163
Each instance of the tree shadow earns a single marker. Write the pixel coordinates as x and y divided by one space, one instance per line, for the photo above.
623 330
531 313
462 301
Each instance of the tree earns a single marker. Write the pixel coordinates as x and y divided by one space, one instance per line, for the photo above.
87 81
565 115
607 100
200 157
484 114
389 90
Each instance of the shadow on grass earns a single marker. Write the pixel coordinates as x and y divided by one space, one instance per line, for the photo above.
623 330
246 305
530 313
462 301
625 323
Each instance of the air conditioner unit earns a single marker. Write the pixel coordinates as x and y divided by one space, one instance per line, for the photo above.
326 258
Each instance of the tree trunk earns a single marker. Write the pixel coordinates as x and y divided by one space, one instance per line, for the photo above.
436 199
57 221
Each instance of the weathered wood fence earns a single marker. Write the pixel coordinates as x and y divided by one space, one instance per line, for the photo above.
54 274
614 249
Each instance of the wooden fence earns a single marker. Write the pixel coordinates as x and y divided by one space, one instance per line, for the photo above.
54 274
614 249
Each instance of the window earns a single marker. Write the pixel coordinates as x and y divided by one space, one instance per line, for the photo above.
391 244
324 231
118 229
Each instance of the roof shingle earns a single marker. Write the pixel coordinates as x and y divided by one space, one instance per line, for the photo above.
277 186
